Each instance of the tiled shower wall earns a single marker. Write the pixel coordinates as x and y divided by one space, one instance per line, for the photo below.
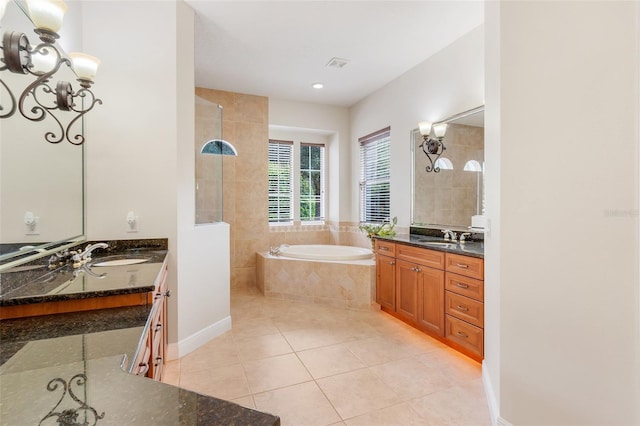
245 123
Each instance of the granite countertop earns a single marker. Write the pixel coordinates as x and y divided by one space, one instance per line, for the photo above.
37 284
86 352
469 248
76 361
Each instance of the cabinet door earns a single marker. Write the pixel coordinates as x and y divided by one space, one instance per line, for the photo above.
407 291
386 282
431 300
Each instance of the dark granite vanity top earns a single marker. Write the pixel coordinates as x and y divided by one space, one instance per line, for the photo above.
37 284
55 348
469 248
78 361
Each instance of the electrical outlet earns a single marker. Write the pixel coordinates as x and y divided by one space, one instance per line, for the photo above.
31 223
132 222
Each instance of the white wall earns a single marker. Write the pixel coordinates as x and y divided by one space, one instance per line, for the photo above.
140 156
331 120
449 82
565 143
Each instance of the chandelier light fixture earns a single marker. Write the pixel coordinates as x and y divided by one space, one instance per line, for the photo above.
47 99
432 146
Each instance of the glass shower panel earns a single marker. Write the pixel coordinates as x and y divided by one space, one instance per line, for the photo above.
208 167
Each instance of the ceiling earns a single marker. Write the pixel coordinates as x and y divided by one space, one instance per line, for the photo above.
279 48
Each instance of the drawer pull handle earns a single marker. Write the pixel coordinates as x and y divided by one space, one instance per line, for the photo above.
462 265
416 269
462 285
144 369
158 361
158 327
383 248
461 334
462 308
392 263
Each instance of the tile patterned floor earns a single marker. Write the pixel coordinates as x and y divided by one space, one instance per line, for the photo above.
318 365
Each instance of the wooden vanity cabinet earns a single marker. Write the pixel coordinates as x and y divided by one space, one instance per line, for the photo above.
441 294
150 357
385 274
420 288
464 304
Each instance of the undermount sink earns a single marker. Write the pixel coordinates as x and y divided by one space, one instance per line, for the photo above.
120 262
439 243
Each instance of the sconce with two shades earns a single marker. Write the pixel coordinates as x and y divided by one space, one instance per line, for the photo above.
42 62
433 146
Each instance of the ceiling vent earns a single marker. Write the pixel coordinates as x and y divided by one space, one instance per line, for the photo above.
337 63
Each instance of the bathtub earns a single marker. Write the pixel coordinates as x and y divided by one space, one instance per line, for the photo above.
340 276
325 252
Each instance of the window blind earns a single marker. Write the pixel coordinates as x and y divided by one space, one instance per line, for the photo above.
311 182
280 181
375 176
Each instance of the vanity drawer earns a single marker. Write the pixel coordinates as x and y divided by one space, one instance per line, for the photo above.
430 258
385 248
464 265
465 335
463 308
465 286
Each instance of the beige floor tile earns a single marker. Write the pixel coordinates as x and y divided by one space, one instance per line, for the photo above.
252 327
310 338
245 401
357 392
329 360
302 404
216 353
228 382
459 405
379 350
171 373
410 379
258 347
275 372
369 367
397 415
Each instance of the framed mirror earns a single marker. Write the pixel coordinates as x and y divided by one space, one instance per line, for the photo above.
453 196
41 183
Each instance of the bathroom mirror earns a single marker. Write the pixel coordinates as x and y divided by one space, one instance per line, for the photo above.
449 198
41 183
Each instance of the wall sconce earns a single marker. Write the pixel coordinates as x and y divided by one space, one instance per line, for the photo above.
42 62
432 146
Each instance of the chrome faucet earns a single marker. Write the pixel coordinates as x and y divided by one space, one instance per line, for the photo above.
464 236
449 235
80 258
274 251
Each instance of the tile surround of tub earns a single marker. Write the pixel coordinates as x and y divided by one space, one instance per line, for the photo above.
339 284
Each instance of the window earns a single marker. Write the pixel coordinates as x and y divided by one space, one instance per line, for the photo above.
311 182
280 181
375 174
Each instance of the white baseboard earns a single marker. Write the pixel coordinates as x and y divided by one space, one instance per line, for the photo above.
193 342
494 409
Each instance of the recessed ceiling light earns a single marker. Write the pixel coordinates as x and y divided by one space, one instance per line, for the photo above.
317 85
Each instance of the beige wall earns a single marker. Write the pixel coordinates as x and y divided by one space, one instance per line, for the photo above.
561 256
245 123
